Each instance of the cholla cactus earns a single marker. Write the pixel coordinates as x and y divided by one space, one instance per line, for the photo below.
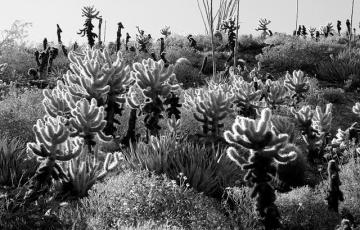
297 83
246 96
214 105
283 125
88 122
96 75
276 94
334 193
264 146
356 108
90 13
322 119
312 137
52 144
55 103
156 82
263 26
166 31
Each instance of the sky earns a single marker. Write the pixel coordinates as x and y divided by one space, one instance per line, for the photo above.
182 16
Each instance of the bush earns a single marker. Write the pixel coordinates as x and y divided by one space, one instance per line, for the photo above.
19 112
305 208
334 95
137 197
207 170
15 165
350 179
296 54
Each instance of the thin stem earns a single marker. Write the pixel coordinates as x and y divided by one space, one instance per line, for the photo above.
237 31
212 37
297 14
202 16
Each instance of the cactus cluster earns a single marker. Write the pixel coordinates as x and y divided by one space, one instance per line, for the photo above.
276 94
44 61
212 106
96 75
156 82
298 84
315 127
246 96
264 146
53 143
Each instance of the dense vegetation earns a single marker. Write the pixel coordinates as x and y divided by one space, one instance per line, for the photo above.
142 135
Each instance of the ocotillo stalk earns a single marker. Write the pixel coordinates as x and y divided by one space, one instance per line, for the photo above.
237 32
100 22
351 26
297 14
105 32
212 37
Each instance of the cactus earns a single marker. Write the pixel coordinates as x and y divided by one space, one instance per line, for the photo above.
52 144
263 26
155 82
322 119
264 146
143 40
297 83
312 32
338 26
95 75
334 193
88 122
89 12
283 125
311 136
230 27
173 101
44 60
165 31
276 94
118 36
63 48
54 101
246 96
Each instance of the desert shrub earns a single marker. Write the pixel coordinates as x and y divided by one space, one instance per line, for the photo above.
18 114
296 54
340 68
15 165
304 208
249 42
244 213
207 170
350 179
136 197
188 76
334 95
174 53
